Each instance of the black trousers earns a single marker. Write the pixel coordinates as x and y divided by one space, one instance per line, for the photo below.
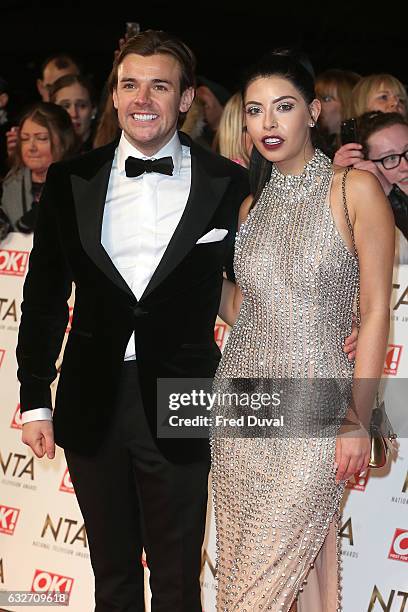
132 497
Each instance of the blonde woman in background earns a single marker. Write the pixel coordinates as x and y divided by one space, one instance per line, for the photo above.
232 139
379 92
376 92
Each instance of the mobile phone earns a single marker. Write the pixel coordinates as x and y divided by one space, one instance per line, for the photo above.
132 29
349 131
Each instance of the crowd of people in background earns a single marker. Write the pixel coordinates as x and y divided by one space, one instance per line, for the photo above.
363 124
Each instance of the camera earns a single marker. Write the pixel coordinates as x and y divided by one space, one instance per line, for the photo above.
349 131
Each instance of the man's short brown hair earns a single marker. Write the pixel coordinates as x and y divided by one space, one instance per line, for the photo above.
153 42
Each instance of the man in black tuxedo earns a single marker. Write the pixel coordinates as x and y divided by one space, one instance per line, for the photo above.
145 245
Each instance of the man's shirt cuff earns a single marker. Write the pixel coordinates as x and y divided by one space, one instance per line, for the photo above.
38 414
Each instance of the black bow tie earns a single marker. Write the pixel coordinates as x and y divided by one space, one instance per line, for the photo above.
135 166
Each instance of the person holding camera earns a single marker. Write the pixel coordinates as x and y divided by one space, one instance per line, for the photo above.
376 92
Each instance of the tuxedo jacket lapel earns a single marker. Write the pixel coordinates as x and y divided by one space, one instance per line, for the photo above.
89 199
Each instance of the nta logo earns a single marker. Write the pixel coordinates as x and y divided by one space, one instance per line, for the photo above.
17 464
65 530
388 606
8 310
346 531
402 298
206 560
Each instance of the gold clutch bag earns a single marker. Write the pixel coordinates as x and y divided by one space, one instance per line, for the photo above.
382 437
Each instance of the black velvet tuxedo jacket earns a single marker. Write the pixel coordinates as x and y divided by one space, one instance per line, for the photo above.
173 321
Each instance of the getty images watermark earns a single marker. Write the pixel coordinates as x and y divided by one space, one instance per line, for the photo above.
250 407
209 400
194 408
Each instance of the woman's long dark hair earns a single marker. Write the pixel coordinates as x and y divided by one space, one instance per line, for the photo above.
289 67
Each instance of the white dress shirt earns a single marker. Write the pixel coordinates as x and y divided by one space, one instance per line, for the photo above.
140 216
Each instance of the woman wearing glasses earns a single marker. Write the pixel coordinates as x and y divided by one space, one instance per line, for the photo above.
384 140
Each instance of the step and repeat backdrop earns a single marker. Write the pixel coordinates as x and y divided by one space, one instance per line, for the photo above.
43 541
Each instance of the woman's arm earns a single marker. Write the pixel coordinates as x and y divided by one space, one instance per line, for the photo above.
374 233
231 296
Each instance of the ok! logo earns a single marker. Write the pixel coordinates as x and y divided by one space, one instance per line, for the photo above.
16 422
358 483
392 359
8 519
50 582
13 263
66 483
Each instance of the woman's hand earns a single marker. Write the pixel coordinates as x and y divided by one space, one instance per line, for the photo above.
11 138
348 155
352 453
350 343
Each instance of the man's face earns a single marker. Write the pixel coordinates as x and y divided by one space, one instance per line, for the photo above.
148 100
50 75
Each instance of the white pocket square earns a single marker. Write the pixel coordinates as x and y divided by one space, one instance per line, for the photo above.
214 235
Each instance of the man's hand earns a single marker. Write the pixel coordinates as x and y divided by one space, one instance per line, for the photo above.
348 155
350 343
39 436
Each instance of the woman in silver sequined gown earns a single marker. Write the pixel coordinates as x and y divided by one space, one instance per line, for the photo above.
277 491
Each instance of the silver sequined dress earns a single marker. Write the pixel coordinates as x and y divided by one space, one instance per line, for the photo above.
275 496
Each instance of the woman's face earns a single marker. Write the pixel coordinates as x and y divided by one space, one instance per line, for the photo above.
278 121
330 116
76 101
36 149
386 142
386 99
